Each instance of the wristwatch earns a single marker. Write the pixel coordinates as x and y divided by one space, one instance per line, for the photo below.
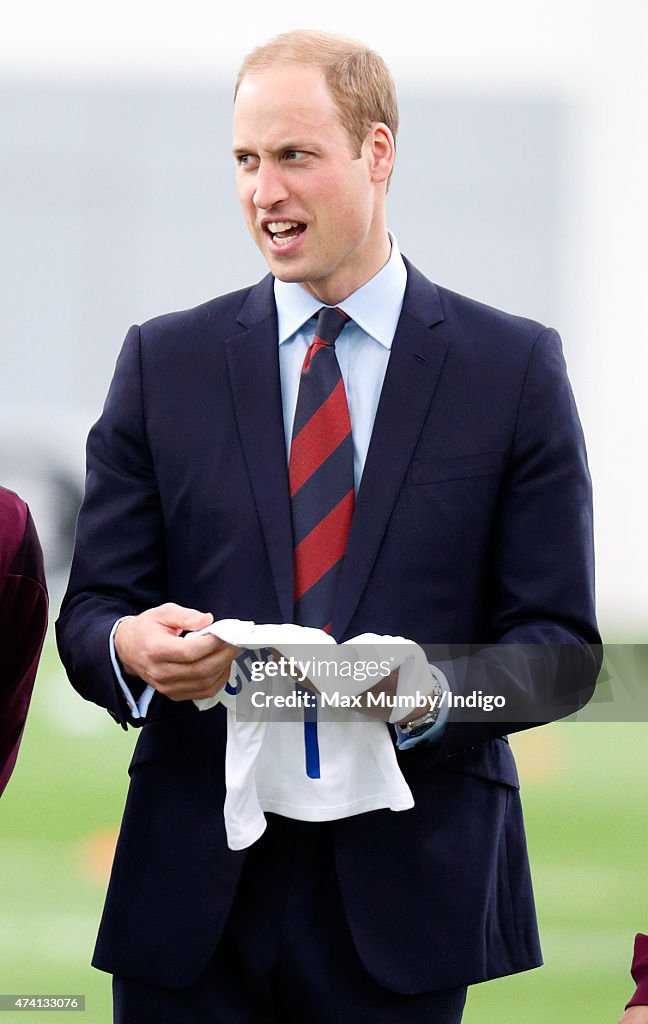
416 726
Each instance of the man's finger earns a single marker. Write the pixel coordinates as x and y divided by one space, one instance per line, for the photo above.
198 668
190 649
180 618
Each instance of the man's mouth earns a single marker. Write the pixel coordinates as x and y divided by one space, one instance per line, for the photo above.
284 231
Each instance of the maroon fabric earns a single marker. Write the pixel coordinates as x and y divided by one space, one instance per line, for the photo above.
23 621
639 971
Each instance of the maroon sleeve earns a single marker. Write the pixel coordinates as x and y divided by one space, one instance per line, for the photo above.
639 971
23 622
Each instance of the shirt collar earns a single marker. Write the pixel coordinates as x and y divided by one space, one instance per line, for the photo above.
375 306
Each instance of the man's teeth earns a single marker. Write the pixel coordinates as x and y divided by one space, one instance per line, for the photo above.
282 225
284 231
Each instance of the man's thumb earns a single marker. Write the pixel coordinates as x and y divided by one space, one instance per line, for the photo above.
177 617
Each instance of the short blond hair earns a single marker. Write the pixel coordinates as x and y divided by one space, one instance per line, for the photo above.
358 78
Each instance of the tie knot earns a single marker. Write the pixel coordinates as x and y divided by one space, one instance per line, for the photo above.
330 321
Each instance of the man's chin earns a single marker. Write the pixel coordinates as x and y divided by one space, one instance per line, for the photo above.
286 271
292 270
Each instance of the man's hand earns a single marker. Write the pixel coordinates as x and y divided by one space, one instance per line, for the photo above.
635 1015
150 646
389 686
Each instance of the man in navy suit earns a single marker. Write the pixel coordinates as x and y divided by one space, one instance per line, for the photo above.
472 525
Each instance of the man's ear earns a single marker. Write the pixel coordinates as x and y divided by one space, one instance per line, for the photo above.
380 148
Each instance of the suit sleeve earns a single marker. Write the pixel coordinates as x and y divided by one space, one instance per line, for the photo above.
119 565
544 652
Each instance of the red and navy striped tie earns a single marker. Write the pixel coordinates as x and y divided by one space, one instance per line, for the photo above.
320 472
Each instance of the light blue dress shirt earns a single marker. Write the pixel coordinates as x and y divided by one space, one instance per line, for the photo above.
363 350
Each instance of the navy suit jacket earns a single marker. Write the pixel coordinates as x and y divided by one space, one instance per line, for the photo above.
472 526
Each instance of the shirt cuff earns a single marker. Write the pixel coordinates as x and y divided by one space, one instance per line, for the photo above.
139 707
434 732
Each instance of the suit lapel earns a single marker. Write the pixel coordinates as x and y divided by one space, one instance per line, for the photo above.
415 363
253 362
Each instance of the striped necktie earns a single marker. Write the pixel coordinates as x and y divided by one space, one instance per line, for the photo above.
320 472
321 475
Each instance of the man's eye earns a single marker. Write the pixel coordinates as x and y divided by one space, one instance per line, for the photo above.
294 154
246 160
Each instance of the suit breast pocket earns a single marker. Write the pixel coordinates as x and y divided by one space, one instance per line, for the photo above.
458 467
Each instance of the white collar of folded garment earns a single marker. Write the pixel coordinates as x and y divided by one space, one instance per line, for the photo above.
375 307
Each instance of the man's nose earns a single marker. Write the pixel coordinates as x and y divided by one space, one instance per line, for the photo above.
270 186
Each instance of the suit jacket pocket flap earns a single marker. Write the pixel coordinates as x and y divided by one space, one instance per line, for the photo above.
457 468
492 760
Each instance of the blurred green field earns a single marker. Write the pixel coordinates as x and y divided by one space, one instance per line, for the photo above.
585 792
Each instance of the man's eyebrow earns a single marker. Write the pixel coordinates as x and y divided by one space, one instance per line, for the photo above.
302 144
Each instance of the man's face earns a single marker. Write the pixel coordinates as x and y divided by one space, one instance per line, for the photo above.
314 208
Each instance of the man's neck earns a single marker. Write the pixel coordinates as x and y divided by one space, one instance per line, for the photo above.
332 292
